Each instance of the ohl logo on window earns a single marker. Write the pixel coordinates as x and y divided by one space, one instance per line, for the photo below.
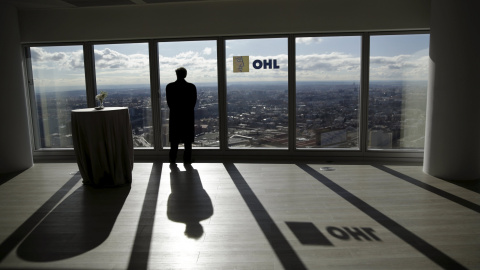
242 64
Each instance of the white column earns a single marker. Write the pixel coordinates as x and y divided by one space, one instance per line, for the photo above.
452 142
15 146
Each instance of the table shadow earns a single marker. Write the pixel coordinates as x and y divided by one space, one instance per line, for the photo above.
78 224
188 202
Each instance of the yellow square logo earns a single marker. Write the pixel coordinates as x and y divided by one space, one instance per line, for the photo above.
240 64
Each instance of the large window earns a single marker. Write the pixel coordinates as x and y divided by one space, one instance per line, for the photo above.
250 98
257 93
122 70
200 60
327 75
397 91
59 87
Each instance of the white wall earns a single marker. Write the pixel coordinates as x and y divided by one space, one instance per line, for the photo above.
223 18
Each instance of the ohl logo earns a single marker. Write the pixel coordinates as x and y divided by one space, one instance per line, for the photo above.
242 64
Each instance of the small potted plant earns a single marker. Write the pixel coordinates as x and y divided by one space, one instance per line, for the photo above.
100 97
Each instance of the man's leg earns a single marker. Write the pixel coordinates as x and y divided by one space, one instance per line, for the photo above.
187 154
173 152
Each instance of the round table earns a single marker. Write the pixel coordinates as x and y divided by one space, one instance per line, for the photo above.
103 144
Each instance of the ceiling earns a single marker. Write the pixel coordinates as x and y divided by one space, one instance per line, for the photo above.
48 4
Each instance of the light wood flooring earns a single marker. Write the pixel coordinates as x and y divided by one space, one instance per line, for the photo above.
240 216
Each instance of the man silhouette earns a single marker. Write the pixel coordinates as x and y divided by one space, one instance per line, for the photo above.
181 99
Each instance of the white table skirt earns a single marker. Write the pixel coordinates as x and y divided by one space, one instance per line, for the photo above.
103 145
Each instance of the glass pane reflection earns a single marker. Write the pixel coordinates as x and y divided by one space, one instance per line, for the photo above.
59 86
398 91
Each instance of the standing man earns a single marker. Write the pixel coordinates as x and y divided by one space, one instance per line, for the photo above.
181 99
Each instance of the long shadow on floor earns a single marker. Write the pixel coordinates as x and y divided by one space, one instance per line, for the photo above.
279 243
143 238
78 224
188 203
23 230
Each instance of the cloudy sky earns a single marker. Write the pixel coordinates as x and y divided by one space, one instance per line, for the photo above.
400 57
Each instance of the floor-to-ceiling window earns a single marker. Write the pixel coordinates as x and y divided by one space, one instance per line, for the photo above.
328 84
397 91
58 80
257 92
199 58
123 72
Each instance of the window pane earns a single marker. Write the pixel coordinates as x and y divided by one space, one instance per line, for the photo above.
257 93
59 86
122 70
398 91
200 60
327 92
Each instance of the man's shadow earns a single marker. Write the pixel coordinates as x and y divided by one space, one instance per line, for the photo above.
188 203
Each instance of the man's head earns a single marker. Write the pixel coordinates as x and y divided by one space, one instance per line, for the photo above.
181 73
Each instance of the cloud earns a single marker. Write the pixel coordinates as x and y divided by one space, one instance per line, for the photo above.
327 62
110 59
341 66
41 59
113 67
411 67
328 66
308 40
207 51
199 68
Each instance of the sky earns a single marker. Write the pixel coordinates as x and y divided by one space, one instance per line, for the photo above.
392 57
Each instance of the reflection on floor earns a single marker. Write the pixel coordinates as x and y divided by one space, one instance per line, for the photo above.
240 216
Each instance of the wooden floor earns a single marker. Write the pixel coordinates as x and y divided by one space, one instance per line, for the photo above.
240 216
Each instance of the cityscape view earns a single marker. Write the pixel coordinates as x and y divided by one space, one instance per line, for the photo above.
327 115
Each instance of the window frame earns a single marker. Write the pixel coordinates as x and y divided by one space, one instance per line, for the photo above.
90 48
159 90
382 152
361 105
234 150
31 96
224 152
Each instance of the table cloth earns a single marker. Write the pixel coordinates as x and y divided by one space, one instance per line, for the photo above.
103 145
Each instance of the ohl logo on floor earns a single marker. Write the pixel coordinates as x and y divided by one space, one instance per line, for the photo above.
242 64
308 234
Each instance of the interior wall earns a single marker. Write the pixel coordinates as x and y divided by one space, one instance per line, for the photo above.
452 140
15 147
222 18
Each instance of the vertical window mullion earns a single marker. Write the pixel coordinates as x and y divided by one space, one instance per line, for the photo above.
365 66
222 95
90 79
155 94
292 112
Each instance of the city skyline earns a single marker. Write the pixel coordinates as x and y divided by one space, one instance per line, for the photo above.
327 115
